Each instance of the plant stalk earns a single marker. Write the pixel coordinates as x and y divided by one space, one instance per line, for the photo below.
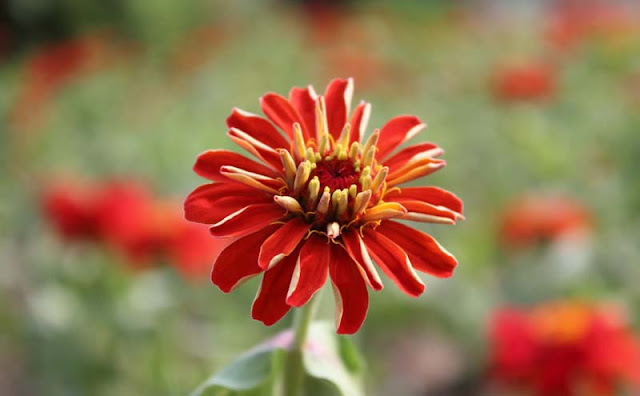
294 373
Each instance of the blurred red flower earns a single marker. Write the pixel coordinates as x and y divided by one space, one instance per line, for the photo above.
573 21
533 218
124 216
319 204
564 349
66 207
533 81
56 65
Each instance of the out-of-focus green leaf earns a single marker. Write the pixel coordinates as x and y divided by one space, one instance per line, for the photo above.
332 359
250 374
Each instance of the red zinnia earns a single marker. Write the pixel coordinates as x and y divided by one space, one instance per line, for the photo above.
125 217
532 218
564 348
320 202
524 82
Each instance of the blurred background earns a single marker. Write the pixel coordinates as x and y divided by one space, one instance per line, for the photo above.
104 106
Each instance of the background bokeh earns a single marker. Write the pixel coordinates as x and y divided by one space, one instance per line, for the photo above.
537 104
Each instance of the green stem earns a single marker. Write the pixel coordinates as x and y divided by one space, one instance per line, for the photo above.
293 384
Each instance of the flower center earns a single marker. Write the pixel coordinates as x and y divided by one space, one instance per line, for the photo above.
336 174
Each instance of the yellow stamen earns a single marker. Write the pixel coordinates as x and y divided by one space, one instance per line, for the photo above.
289 166
299 148
310 155
354 150
371 142
314 189
362 201
367 159
345 135
353 190
323 205
380 178
302 175
289 203
321 119
323 144
333 230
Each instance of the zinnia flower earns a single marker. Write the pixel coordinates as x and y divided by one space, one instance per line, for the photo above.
572 22
126 218
532 218
321 202
565 348
524 82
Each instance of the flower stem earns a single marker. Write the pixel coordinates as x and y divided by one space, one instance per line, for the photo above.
294 366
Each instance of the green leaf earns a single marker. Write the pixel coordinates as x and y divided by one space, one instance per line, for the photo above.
332 363
250 374
332 359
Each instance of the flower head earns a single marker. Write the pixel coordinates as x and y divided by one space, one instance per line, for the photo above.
321 202
532 81
126 218
564 348
532 218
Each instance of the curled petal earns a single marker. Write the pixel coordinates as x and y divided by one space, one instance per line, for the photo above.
210 203
427 213
283 242
282 113
257 127
387 210
350 291
239 261
359 121
304 100
358 252
416 171
411 155
425 252
431 195
397 131
259 149
247 220
209 163
394 262
263 183
338 100
311 270
270 303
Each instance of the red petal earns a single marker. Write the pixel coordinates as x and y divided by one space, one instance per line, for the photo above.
247 220
259 149
393 261
304 100
415 152
282 242
258 128
208 165
210 203
270 303
282 113
397 131
239 261
311 270
414 171
350 291
431 195
358 252
417 209
359 121
425 253
338 99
